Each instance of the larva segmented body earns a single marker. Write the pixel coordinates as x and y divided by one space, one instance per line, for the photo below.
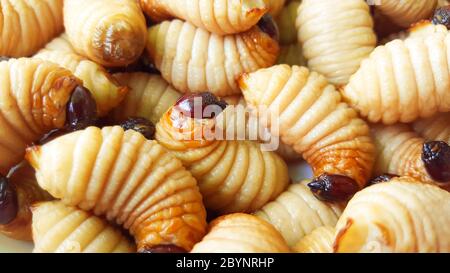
286 23
313 120
402 215
58 228
405 13
207 62
434 128
349 37
296 213
60 43
241 233
319 240
33 95
131 180
109 32
26 26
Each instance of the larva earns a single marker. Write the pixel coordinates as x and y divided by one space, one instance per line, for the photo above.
133 181
442 3
109 32
404 13
314 121
208 62
22 184
434 128
349 37
241 233
26 26
58 228
402 215
286 23
60 43
217 16
107 92
233 176
291 55
33 95
150 96
319 240
403 80
296 213
403 152
422 29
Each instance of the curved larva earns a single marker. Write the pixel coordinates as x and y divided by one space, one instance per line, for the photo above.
402 215
106 91
286 23
60 43
26 26
336 53
313 120
27 190
297 212
241 233
404 13
58 228
319 240
150 96
109 32
403 80
217 16
33 95
434 128
442 3
292 55
131 180
204 61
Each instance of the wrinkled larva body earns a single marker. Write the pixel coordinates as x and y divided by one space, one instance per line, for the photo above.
33 95
110 32
297 212
58 228
26 26
401 215
434 128
291 55
313 120
286 23
349 37
241 233
132 181
60 43
405 13
105 90
150 96
319 240
207 62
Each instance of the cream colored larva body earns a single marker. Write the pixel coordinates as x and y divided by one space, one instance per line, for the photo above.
406 12
58 228
402 215
60 43
207 62
349 37
26 26
434 128
319 240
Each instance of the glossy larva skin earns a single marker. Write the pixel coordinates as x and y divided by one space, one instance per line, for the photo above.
28 25
34 94
109 32
349 37
153 196
241 233
106 91
434 128
313 120
60 43
401 215
150 96
58 228
405 13
403 80
297 212
320 240
194 60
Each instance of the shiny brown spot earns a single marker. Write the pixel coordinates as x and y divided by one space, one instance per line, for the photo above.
8 201
163 249
333 187
381 179
436 158
140 125
81 109
268 25
194 105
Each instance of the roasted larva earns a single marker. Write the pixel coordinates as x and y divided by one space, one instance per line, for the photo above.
194 60
58 228
233 176
402 215
131 180
336 36
17 193
317 124
405 13
107 92
435 128
241 233
319 240
296 213
150 96
286 23
403 80
26 26
109 32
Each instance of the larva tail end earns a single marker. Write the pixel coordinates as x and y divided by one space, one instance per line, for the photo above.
436 158
162 249
333 187
32 155
9 206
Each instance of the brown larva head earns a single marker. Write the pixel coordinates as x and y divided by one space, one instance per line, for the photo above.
333 187
8 201
436 158
442 16
200 106
140 125
162 249
268 25
81 111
